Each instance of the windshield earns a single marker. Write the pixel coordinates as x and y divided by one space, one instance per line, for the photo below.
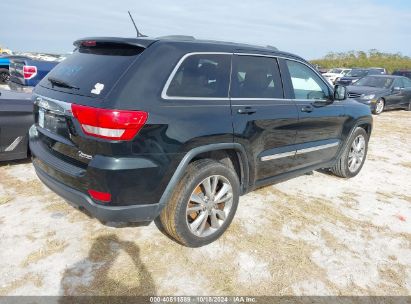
375 82
357 73
335 71
92 70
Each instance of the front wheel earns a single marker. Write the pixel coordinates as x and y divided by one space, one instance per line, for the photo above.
379 106
203 203
353 157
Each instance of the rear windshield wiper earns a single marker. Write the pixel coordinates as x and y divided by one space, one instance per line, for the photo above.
61 83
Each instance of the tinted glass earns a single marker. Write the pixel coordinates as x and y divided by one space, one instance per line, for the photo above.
357 73
202 76
375 82
306 83
407 82
256 77
93 71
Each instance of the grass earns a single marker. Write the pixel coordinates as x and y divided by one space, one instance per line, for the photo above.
52 246
32 278
372 58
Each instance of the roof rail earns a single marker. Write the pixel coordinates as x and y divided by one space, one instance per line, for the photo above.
177 37
272 47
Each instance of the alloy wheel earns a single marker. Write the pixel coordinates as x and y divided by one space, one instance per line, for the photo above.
209 205
357 153
379 107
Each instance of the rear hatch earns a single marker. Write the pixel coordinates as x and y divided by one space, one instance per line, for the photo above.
73 117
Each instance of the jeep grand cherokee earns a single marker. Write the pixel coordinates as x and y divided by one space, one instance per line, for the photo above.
135 129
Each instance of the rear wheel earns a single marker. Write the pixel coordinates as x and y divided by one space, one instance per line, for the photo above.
353 156
379 106
4 76
203 204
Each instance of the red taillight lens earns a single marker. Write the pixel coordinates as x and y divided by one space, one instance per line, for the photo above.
104 197
109 124
29 71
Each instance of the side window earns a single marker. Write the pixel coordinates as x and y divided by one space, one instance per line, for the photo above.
205 75
407 82
256 77
306 83
398 83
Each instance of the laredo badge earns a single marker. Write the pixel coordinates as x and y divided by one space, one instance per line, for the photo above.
98 87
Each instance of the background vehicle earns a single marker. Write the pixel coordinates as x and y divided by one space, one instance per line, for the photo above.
382 92
405 73
29 72
16 117
155 133
355 74
4 67
335 74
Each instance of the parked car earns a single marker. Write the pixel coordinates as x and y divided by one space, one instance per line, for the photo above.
160 132
405 73
335 74
16 117
356 74
29 72
382 92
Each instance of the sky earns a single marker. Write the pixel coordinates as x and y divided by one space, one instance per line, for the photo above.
309 28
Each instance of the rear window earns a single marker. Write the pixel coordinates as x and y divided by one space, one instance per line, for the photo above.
92 70
202 75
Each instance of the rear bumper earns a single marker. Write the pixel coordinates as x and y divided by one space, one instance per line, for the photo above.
135 213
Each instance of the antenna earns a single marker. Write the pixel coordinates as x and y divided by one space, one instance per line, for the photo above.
135 26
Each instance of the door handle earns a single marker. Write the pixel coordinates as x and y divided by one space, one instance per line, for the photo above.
307 109
246 110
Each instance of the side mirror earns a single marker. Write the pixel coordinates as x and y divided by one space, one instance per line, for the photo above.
396 89
340 92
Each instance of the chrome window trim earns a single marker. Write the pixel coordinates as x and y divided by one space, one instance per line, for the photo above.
179 63
170 78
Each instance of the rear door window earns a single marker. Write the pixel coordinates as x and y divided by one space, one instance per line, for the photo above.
202 76
92 70
256 77
306 83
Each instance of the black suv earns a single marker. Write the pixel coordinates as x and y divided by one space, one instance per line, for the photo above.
135 129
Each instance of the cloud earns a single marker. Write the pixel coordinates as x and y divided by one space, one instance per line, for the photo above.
308 28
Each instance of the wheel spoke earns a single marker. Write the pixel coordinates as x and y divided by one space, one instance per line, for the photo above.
207 187
194 209
224 189
195 198
214 183
214 220
224 199
220 214
198 221
203 224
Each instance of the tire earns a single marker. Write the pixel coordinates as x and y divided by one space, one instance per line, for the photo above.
342 168
4 75
174 217
379 106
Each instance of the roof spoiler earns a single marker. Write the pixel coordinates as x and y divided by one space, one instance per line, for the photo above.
138 42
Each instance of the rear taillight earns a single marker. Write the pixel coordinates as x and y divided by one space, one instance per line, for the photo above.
104 197
29 71
109 124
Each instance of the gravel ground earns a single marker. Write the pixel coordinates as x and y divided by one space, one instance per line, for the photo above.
313 235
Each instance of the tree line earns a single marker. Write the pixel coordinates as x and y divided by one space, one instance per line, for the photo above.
361 59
